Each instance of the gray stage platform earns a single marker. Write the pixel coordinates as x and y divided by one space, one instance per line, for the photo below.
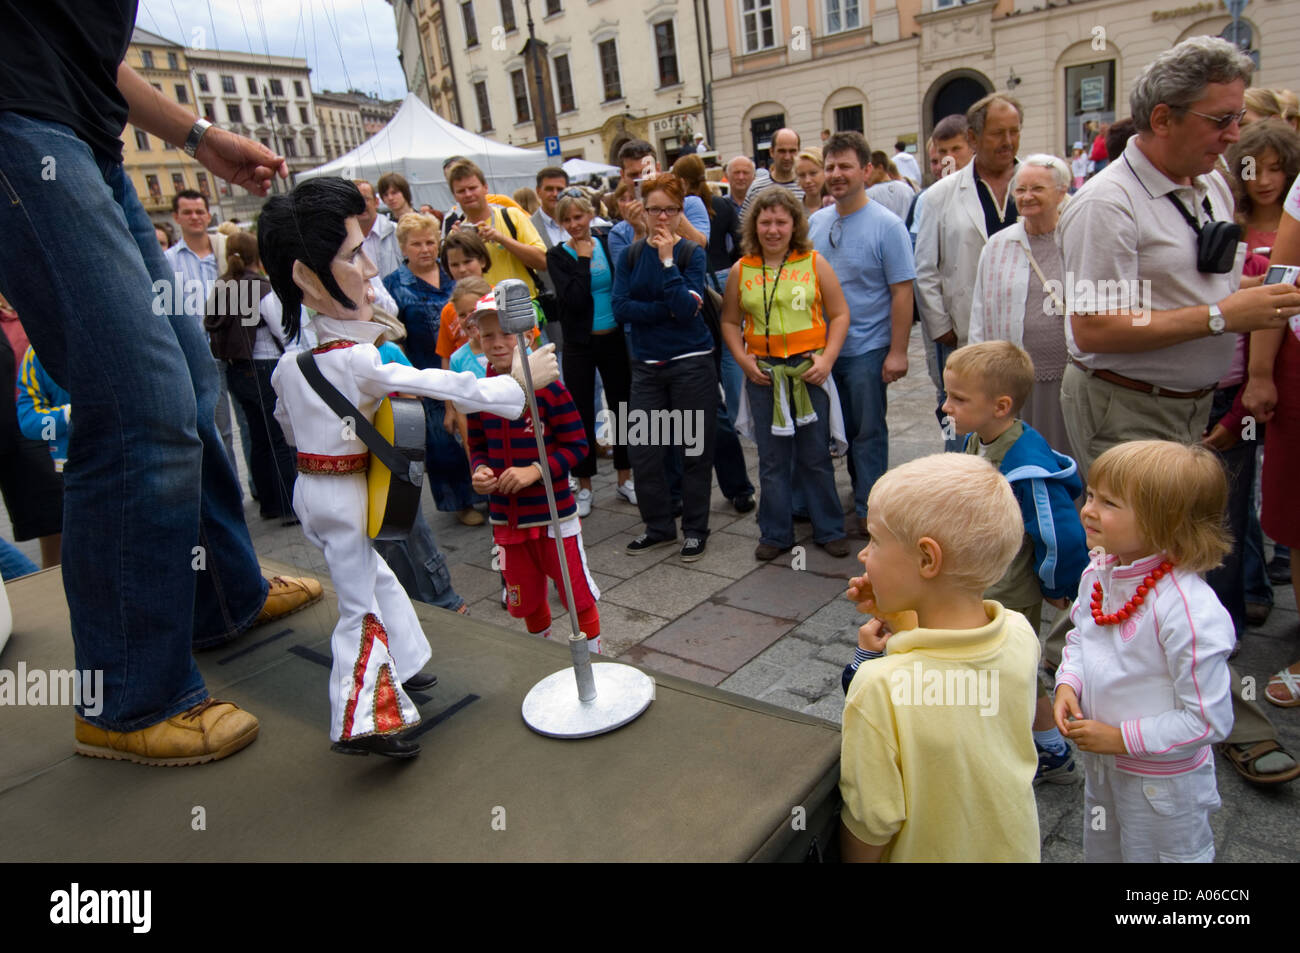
704 775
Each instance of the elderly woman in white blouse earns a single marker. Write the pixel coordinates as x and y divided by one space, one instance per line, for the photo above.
1019 289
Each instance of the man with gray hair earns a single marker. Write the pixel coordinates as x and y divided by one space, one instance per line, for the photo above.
961 211
1158 221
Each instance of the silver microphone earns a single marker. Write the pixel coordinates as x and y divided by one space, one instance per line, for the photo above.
515 306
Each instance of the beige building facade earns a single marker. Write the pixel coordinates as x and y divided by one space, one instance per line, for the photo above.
892 68
157 169
616 70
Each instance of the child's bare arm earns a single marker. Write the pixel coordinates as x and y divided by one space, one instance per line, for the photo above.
854 851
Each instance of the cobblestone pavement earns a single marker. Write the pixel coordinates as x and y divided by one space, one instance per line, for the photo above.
783 634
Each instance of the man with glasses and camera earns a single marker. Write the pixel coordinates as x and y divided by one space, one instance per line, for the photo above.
1152 285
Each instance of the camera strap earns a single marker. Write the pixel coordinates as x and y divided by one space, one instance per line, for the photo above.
1187 216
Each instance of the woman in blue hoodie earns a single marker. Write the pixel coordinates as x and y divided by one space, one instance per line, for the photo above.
659 289
658 295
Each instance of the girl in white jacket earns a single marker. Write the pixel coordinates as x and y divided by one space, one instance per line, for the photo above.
1143 686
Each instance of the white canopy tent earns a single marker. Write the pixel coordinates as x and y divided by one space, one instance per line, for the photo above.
417 141
582 169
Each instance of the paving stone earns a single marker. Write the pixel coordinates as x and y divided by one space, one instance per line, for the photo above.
836 653
473 583
840 616
670 665
611 556
784 699
722 637
788 652
780 592
621 627
812 678
727 555
746 526
753 678
830 707
665 589
619 517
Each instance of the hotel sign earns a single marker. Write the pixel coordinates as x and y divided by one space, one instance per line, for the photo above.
1195 8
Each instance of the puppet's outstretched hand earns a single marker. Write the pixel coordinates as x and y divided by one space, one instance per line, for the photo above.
542 365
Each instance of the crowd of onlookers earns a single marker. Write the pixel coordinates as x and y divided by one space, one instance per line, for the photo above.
1066 307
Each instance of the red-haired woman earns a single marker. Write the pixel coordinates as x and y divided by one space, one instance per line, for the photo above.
659 288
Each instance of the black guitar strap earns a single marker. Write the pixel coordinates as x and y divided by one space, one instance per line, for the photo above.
403 469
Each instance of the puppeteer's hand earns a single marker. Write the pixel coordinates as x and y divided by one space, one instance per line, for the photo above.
240 161
542 365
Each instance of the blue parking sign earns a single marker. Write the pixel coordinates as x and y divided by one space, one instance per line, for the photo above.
552 146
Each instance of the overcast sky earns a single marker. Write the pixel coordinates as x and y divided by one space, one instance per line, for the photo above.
349 44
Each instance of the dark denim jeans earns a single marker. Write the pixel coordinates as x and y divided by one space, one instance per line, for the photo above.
446 465
272 462
420 566
803 460
862 398
156 557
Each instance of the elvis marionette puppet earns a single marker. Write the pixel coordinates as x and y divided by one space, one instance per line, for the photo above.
310 244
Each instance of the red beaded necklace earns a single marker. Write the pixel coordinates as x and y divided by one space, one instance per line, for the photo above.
1129 607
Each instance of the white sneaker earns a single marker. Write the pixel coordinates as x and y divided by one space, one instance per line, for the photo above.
627 491
573 484
584 502
593 646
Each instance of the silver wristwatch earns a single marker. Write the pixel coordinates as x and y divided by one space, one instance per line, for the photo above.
1217 324
196 133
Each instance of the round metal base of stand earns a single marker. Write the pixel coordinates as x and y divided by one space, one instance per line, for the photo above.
553 708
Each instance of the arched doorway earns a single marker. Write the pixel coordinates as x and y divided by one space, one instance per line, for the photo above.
954 92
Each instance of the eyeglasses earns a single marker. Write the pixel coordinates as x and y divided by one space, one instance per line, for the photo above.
1222 122
835 235
666 212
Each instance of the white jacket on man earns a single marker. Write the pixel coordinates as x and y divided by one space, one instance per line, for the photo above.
949 241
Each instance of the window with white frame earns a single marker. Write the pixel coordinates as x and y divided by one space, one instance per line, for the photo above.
471 25
666 53
484 107
519 87
842 15
758 25
564 84
608 51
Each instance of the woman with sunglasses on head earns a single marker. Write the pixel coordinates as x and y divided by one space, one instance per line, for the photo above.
583 271
659 288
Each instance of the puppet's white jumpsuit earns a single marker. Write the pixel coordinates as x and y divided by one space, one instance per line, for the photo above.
378 642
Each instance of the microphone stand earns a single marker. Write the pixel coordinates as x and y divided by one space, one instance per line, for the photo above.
550 708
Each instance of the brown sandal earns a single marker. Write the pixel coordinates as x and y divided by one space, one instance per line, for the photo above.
1244 762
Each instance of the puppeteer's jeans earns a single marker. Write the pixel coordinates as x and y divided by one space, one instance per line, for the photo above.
157 560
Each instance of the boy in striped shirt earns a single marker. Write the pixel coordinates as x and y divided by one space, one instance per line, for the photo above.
505 465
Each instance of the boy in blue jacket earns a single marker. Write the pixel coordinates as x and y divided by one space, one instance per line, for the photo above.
44 408
987 385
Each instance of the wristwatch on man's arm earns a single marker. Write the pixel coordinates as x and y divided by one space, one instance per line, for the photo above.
1217 324
196 134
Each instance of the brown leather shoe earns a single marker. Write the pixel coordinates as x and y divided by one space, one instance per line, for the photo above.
862 527
470 517
287 595
209 731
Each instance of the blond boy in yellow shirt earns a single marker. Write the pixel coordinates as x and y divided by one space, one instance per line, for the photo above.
937 759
